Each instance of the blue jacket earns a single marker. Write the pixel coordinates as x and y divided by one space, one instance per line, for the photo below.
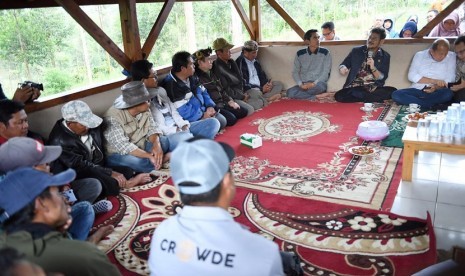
358 55
190 103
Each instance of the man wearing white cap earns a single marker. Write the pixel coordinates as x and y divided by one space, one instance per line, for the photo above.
31 209
204 239
80 135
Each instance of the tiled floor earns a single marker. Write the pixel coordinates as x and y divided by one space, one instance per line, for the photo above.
438 186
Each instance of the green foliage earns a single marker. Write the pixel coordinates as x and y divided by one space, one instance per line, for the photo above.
47 45
56 81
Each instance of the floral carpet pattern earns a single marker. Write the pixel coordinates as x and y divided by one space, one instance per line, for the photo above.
305 154
303 191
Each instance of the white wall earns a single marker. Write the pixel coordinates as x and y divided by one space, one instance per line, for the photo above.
277 61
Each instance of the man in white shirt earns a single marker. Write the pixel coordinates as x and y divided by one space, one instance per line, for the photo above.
204 239
430 73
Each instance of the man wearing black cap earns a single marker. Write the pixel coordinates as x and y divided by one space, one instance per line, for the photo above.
31 208
204 239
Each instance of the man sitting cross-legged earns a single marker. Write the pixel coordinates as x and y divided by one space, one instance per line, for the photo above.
164 111
232 80
312 67
189 96
254 76
132 137
367 67
80 136
430 72
32 210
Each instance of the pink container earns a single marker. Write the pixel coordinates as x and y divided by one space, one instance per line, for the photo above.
372 130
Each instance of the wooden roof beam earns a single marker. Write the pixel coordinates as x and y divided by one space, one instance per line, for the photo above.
130 29
94 30
157 27
245 19
438 19
280 10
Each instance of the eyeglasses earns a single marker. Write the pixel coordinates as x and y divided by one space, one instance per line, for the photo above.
327 34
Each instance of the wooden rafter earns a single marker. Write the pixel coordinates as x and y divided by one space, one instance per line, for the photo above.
280 10
156 29
93 30
130 29
255 19
245 19
438 19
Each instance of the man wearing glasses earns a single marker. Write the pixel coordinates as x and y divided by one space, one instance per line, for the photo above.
328 32
312 66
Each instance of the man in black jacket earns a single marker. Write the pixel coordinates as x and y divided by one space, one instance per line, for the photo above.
80 136
253 74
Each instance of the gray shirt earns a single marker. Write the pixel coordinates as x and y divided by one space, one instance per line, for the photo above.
312 67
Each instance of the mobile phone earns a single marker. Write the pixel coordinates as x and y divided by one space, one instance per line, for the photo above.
69 195
426 88
450 84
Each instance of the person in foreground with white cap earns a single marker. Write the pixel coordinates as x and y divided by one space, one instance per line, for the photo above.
253 74
31 209
132 137
204 239
20 152
81 138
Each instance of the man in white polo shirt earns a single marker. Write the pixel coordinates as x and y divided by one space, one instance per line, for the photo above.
204 239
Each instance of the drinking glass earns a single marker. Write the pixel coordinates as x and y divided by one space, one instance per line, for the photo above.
422 129
433 128
446 131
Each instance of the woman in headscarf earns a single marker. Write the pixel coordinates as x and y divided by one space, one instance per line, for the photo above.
413 18
450 26
409 30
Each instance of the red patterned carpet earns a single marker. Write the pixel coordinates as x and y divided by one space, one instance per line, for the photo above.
301 189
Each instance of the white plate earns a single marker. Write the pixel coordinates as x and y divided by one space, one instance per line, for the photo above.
351 150
366 110
413 110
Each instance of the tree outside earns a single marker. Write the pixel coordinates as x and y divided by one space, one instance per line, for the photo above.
56 51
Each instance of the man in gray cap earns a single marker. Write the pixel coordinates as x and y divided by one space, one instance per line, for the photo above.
31 211
253 74
204 239
133 138
232 80
80 136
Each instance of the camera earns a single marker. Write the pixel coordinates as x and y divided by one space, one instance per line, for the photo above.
39 86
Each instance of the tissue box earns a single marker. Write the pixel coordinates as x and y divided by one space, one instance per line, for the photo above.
251 140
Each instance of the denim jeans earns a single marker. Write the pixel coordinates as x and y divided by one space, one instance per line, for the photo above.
83 218
296 92
207 128
168 143
425 100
